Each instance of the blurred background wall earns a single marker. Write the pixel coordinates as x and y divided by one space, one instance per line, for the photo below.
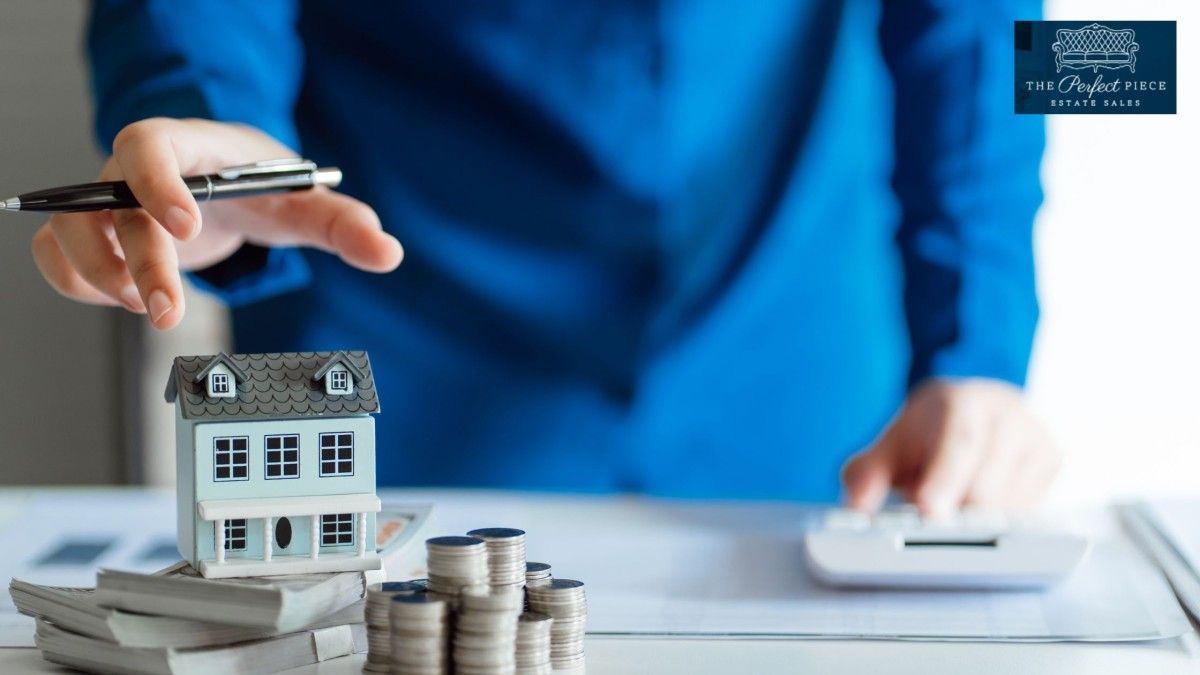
61 416
82 400
1116 369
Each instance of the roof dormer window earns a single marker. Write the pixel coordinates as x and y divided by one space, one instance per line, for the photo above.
218 378
339 382
340 374
220 383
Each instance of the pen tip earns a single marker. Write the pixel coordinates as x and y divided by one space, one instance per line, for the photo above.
12 204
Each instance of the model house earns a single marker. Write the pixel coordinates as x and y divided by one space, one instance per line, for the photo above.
275 462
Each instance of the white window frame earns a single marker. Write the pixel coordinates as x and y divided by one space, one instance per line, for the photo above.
337 447
231 528
339 381
337 529
283 463
229 454
220 384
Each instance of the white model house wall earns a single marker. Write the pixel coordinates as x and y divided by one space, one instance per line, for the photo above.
185 487
309 483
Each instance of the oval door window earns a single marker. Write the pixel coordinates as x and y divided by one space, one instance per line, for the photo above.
283 533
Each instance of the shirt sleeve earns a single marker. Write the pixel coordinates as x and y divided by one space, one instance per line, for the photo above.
967 181
224 60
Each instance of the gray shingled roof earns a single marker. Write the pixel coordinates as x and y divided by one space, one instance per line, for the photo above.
277 385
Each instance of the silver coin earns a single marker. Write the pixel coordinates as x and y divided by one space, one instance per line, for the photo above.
536 570
423 604
564 584
487 628
482 598
486 670
496 533
573 665
490 656
535 619
435 668
376 614
454 541
397 587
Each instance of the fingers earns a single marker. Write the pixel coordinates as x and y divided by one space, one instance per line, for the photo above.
128 257
83 242
57 271
1034 484
954 443
121 257
1000 468
1036 467
153 264
153 153
868 476
332 222
955 458
146 153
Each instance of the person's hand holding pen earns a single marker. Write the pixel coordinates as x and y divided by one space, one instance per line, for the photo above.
133 257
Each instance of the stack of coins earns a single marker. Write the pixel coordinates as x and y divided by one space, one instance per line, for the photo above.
485 636
564 600
454 563
533 644
379 636
537 574
420 635
506 556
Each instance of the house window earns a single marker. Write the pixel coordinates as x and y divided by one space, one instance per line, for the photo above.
337 454
220 384
337 529
235 535
283 456
339 381
230 458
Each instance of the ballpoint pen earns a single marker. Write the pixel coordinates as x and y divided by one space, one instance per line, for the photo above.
270 176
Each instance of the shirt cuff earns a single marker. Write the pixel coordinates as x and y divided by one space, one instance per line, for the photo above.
253 274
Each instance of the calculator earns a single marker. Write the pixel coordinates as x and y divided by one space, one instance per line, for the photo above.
897 548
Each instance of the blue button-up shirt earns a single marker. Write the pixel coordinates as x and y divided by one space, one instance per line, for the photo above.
695 248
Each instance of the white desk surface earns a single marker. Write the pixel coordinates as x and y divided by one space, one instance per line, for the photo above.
728 657
702 656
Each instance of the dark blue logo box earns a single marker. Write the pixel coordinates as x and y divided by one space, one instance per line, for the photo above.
1094 67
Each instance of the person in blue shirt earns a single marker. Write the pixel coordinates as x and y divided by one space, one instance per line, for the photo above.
693 248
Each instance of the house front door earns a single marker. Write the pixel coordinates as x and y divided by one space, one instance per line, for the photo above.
291 535
285 535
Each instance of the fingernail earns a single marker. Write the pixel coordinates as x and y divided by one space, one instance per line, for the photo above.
160 304
179 222
132 299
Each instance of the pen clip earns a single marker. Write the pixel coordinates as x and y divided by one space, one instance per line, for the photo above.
268 167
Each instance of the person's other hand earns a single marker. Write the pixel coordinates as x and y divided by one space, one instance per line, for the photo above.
133 257
954 444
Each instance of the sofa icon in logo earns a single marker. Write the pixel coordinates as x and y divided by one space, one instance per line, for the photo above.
1095 46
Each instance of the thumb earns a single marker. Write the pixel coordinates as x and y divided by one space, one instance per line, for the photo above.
867 477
